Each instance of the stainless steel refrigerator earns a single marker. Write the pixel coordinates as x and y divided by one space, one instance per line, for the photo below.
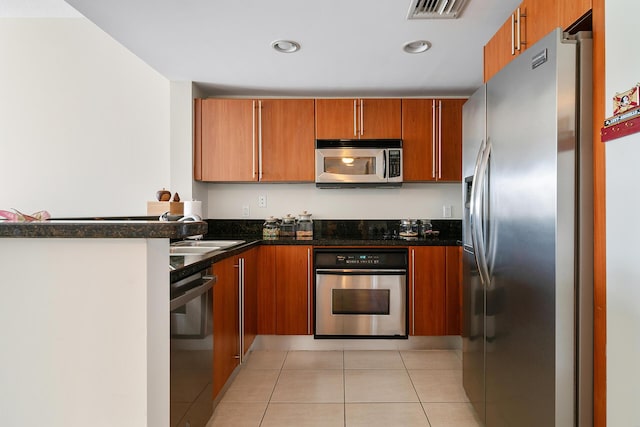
527 234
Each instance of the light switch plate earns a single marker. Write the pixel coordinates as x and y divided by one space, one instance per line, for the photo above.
245 211
262 201
446 211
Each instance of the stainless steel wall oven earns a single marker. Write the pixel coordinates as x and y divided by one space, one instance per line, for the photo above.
360 293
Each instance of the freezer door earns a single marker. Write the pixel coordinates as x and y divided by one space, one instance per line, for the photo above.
530 300
473 332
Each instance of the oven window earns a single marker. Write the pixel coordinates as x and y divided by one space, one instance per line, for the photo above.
350 165
360 301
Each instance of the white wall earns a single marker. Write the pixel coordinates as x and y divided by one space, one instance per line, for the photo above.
84 124
623 205
84 343
410 201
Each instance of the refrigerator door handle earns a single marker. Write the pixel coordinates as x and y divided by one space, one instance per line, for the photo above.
473 220
478 211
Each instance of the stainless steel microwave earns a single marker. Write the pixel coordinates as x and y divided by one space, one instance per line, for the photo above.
342 163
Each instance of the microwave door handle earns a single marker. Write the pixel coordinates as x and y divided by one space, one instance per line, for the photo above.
384 163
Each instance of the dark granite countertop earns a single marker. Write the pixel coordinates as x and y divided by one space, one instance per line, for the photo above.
99 228
198 263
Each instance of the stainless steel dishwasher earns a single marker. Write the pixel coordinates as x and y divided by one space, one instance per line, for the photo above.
191 374
360 293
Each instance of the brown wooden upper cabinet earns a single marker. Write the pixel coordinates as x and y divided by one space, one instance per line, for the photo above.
360 118
531 21
244 140
432 139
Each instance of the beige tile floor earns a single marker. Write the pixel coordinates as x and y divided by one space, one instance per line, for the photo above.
347 389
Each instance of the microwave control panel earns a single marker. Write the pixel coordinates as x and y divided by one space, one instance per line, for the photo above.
395 165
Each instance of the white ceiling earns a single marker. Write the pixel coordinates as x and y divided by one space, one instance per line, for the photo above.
349 47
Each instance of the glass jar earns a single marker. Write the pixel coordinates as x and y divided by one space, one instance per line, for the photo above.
304 229
270 229
288 227
408 229
426 228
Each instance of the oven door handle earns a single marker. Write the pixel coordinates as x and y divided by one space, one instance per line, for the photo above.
207 283
361 271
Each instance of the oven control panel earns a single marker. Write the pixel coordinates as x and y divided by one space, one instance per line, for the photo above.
357 258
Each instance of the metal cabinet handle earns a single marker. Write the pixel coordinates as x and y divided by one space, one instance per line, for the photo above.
519 32
413 291
439 139
253 140
513 36
355 118
433 138
241 307
260 140
361 117
309 290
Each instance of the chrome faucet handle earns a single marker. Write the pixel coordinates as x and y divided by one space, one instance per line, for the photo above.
164 217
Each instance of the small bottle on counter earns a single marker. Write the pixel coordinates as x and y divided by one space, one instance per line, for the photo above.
304 230
270 229
288 227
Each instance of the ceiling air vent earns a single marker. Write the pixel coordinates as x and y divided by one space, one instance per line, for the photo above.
436 9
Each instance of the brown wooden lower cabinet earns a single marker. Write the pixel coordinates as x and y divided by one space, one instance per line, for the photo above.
434 290
226 330
250 293
453 291
267 290
285 297
293 290
427 290
226 313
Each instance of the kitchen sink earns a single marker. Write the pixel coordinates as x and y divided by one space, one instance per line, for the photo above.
217 244
192 250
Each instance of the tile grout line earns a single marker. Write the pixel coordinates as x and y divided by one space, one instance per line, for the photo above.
414 389
344 390
274 389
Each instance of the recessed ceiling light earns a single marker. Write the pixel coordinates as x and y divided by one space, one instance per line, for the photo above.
416 46
285 46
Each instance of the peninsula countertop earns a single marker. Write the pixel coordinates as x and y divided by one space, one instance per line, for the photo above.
100 228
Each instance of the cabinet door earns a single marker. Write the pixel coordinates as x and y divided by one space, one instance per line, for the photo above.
571 11
541 18
427 289
432 139
449 144
336 119
250 297
267 290
380 118
498 50
293 293
453 292
366 118
225 322
229 143
418 150
288 140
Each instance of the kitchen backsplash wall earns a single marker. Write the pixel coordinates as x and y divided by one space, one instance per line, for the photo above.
415 200
449 231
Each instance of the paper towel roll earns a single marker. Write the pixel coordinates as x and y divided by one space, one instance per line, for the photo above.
193 207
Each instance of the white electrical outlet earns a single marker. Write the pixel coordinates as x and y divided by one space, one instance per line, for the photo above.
446 211
262 201
245 211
